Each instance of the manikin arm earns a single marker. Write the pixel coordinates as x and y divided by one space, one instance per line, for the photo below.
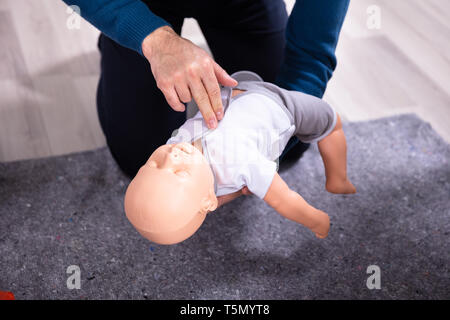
292 206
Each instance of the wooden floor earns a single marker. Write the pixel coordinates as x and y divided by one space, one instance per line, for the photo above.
49 73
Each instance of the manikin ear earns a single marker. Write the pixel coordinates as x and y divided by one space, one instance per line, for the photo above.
209 203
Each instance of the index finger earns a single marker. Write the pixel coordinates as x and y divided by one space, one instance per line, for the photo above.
200 96
212 87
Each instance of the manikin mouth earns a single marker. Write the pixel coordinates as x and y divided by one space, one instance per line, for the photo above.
178 150
182 150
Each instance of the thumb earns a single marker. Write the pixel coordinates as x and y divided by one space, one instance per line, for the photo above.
222 76
246 191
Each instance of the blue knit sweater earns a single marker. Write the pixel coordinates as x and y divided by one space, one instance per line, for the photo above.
312 33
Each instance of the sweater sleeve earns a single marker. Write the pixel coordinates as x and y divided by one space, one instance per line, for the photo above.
311 38
127 22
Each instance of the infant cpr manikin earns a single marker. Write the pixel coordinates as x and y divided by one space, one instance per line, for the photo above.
174 190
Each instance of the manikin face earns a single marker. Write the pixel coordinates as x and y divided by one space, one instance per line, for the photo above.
170 196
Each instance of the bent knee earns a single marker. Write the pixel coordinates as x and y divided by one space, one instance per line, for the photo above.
338 125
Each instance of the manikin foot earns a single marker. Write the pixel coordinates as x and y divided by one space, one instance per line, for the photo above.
323 225
340 186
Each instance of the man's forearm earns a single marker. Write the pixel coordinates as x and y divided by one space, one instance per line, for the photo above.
312 34
127 22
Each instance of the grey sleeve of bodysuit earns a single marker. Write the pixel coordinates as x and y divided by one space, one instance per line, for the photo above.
314 118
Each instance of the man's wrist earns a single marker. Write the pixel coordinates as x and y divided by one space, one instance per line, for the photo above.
157 36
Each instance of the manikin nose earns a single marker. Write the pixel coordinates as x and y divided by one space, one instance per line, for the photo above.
172 158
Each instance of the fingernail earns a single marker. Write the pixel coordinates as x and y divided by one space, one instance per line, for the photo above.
212 123
219 115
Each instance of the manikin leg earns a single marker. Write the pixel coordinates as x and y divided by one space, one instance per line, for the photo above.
333 150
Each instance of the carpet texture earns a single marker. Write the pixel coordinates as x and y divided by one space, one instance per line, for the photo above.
68 210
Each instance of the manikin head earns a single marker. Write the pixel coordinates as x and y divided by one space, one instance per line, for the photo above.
171 194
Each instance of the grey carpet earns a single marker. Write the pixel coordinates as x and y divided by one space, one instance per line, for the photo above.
67 210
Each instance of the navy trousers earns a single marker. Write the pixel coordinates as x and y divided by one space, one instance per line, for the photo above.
133 113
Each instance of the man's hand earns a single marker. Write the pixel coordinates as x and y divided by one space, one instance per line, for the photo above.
231 196
184 71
